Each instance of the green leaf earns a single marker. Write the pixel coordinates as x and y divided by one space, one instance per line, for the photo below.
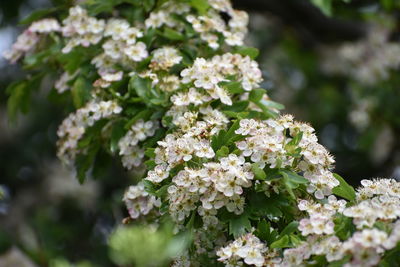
265 232
141 86
200 5
324 5
271 104
236 107
261 205
118 131
18 100
344 226
173 35
344 190
38 14
81 91
230 134
292 181
247 51
222 152
258 172
290 228
282 242
149 187
233 87
256 95
294 177
217 141
239 225
20 95
84 162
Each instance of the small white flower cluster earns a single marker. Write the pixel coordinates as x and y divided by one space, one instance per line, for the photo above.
321 216
61 85
379 200
267 143
129 149
27 41
164 58
139 202
365 248
211 24
81 29
122 48
165 16
208 74
216 185
190 97
73 127
250 250
45 26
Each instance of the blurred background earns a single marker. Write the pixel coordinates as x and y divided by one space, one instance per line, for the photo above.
332 63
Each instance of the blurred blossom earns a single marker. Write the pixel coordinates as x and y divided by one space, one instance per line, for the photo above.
368 61
15 257
359 116
383 145
7 35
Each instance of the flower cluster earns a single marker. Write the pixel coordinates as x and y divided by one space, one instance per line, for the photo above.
210 26
250 250
377 202
73 127
221 156
81 29
131 153
138 201
28 40
268 143
321 216
208 74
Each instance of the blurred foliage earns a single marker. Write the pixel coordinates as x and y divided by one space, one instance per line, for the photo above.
139 245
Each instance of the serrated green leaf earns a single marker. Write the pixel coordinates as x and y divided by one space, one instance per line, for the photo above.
173 35
80 91
85 161
232 87
344 190
256 95
259 173
265 232
222 152
247 51
271 104
118 131
282 242
200 5
20 95
294 177
239 225
290 228
324 5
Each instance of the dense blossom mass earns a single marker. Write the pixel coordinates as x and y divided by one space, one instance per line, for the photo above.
178 96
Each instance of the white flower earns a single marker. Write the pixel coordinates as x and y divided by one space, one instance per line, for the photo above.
136 52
